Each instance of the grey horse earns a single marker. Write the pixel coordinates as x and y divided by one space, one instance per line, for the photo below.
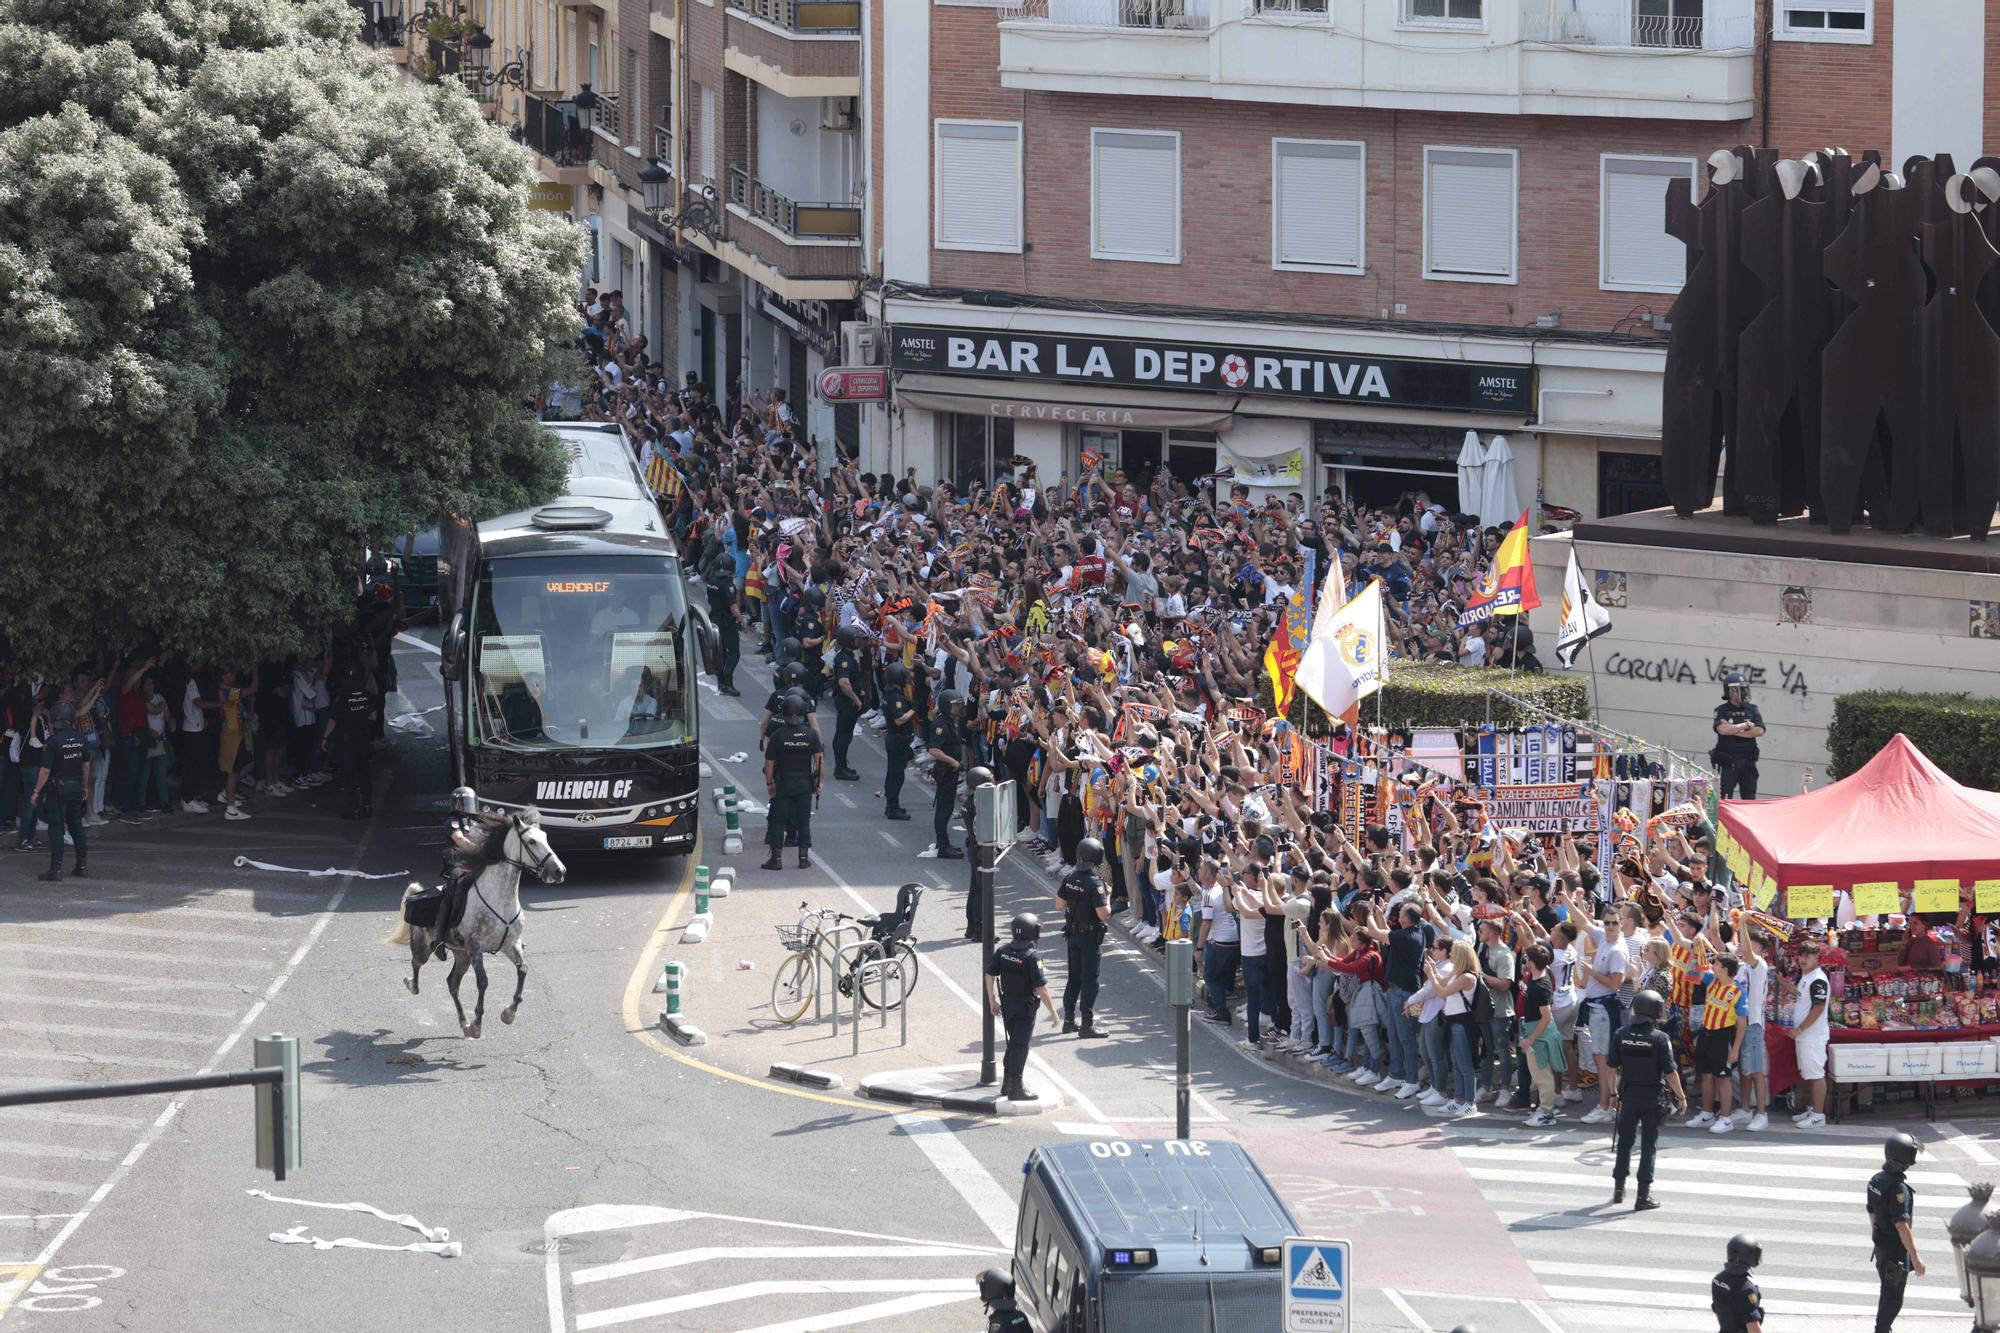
500 848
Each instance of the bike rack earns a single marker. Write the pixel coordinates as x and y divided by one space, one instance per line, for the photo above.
881 966
832 936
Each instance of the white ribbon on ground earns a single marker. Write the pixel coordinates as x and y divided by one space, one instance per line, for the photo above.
329 873
436 1240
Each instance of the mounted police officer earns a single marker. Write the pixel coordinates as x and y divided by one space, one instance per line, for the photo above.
1737 1303
996 1293
1644 1058
1738 724
1892 1216
850 696
947 747
900 715
975 897
65 776
1086 907
460 840
1014 983
792 778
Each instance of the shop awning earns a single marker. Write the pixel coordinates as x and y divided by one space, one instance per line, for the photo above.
1899 819
1104 409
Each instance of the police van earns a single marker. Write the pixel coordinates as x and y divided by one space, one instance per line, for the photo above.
1149 1236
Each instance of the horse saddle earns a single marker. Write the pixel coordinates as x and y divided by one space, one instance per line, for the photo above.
421 908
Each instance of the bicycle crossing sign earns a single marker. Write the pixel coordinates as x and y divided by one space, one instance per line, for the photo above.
1317 1282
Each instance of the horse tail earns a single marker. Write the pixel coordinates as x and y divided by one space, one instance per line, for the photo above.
401 934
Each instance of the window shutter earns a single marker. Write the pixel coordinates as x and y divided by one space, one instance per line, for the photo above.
1471 208
634 120
707 132
1637 250
979 186
1317 195
1136 197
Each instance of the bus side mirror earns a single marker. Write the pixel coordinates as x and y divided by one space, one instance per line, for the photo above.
451 654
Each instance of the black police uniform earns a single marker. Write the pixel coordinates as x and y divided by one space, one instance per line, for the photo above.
1643 1057
812 642
720 575
1891 1199
1019 968
846 712
1735 1299
64 758
790 750
901 716
1082 892
947 734
351 734
1736 756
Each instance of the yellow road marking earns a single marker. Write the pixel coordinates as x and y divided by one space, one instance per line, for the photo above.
15 1279
640 985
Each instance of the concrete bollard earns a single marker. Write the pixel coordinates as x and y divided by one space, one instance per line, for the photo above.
674 974
721 884
701 890
732 835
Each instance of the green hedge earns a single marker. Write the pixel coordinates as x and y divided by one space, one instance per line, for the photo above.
1438 694
1959 733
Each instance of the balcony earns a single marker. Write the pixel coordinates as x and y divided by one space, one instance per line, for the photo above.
615 145
800 48
550 129
1695 59
803 251
660 17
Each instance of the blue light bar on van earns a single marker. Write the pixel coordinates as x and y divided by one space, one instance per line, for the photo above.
1133 1258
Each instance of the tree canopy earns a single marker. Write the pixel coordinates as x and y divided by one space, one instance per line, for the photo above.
263 301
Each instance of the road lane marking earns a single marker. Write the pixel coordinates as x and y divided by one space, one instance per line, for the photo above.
137 932
1635 1274
412 641
888 837
129 955
1965 1143
842 798
88 1119
864 1314
1408 1312
1687 1300
958 1288
121 1006
9 1148
961 1170
655 1263
126 907
77 1058
125 1034
29 1185
109 981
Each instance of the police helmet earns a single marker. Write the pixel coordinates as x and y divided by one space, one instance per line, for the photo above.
1901 1150
793 706
62 715
1734 680
950 701
464 801
793 675
1027 928
815 598
1746 1251
791 650
848 636
899 676
1648 1007
978 777
1090 852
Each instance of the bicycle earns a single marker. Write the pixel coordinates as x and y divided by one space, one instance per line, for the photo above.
856 963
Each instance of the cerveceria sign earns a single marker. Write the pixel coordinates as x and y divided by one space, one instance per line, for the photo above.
1222 368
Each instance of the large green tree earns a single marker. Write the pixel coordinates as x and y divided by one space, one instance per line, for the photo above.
262 301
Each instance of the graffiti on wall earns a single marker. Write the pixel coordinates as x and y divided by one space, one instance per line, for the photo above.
1784 677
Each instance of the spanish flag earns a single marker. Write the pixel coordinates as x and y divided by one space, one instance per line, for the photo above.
1509 586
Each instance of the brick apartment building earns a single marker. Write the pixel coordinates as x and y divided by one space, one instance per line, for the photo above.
1319 240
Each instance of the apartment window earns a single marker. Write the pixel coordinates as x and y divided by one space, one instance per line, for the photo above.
1469 12
1635 254
977 193
1469 217
1317 204
590 69
1135 195
1826 20
1291 6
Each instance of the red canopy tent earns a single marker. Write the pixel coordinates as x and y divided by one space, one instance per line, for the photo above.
1899 818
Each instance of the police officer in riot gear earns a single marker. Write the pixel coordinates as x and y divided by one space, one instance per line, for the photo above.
812 638
996 1293
350 727
1892 1216
1086 907
900 715
975 899
65 776
1014 983
1735 1300
947 746
1738 724
791 677
1644 1058
850 696
792 779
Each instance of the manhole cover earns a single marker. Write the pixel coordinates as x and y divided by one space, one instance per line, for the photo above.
597 1241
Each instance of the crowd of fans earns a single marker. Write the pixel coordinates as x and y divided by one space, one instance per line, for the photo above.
1110 633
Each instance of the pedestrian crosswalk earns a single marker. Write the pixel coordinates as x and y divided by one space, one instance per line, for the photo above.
677 1269
1605 1267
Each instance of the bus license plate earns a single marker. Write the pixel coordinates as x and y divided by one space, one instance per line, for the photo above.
614 844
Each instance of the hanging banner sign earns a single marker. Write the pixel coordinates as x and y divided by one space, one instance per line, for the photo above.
1544 807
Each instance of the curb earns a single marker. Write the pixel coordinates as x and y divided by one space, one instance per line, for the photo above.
993 1107
696 930
682 1031
811 1078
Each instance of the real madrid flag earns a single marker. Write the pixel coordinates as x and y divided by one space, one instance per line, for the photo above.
1582 618
1347 658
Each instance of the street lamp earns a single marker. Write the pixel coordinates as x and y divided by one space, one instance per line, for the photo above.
1982 1274
653 181
585 103
1964 1227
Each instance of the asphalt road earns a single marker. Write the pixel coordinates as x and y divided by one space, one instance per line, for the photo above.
595 1181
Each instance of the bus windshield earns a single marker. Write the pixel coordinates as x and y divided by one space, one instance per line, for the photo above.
581 652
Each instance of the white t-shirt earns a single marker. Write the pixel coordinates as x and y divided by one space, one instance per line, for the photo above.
1252 934
1611 959
1812 991
156 714
193 720
1755 979
1474 652
1215 911
1562 962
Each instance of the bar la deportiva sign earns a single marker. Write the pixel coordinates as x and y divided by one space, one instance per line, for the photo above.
1213 368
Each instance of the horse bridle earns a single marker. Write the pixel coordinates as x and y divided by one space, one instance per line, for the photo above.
536 869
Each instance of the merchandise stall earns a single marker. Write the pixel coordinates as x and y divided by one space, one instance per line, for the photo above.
1896 869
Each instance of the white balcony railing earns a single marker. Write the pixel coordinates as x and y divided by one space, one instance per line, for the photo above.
1673 25
1146 14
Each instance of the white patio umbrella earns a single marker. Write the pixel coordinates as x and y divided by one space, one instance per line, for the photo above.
1498 501
1471 477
